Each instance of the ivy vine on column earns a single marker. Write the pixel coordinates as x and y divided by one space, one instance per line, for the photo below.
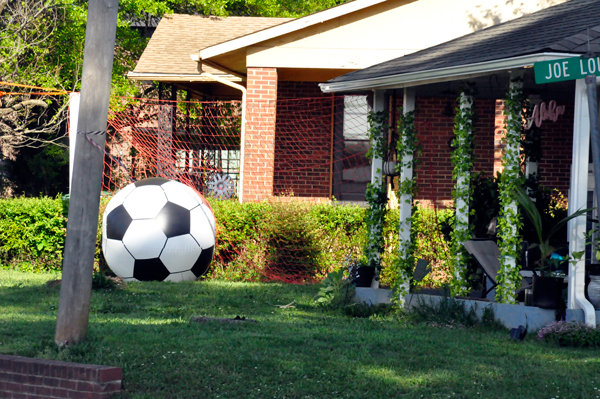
462 160
510 222
376 194
408 151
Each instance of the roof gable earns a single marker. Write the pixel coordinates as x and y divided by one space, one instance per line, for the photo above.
292 26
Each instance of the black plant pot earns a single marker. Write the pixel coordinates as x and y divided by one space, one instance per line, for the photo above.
547 292
362 276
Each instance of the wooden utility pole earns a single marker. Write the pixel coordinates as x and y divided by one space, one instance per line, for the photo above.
76 286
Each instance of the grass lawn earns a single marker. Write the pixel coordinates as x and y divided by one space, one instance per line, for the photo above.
301 352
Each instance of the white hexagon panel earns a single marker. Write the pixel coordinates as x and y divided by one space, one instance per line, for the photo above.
158 230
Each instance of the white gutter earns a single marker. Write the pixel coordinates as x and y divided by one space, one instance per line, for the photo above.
578 189
287 27
177 77
243 128
441 74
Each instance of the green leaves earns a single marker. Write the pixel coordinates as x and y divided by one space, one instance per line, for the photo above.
544 236
510 221
32 232
462 160
336 290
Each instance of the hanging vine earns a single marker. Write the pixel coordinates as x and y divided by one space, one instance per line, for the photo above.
376 194
408 151
462 160
510 222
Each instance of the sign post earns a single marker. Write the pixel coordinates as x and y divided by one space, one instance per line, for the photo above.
566 69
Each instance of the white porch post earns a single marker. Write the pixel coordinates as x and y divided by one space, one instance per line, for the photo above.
508 224
377 163
406 174
463 178
379 105
511 209
578 200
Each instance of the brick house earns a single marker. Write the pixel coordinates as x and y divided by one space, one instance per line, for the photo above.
274 66
550 55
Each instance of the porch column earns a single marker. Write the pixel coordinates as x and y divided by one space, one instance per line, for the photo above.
462 172
259 143
578 200
377 163
507 225
406 174
377 180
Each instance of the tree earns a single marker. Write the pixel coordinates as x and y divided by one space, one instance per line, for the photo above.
485 17
41 44
26 120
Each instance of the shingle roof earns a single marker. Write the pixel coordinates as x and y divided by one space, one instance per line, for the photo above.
177 36
561 28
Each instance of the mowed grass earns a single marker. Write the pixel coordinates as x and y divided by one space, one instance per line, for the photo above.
301 352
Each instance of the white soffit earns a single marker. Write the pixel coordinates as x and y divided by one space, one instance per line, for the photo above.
441 75
287 27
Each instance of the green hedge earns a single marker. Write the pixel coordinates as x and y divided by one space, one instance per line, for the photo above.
32 233
285 241
276 240
303 242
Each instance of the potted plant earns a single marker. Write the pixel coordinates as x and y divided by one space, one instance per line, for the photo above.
547 287
361 274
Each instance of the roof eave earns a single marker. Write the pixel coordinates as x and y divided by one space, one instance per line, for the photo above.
178 77
286 27
442 74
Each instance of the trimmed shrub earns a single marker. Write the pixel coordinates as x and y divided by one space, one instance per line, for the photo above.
300 242
287 241
32 233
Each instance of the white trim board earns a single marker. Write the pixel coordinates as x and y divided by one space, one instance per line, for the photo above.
442 74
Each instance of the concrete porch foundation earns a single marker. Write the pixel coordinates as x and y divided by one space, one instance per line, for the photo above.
511 316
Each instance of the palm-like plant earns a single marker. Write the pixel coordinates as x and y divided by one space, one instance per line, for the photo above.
546 250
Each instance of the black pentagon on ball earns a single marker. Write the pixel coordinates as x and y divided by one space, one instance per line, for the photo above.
150 270
201 265
117 223
174 220
152 181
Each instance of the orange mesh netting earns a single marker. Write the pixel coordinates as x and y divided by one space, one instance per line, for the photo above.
319 153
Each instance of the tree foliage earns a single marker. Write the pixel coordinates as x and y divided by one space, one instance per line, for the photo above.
483 17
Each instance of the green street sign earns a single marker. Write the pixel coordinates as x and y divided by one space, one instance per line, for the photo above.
566 69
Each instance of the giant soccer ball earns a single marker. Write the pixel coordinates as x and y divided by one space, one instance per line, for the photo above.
158 230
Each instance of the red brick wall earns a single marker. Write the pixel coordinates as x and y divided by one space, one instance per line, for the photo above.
303 140
554 168
435 132
22 377
259 148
